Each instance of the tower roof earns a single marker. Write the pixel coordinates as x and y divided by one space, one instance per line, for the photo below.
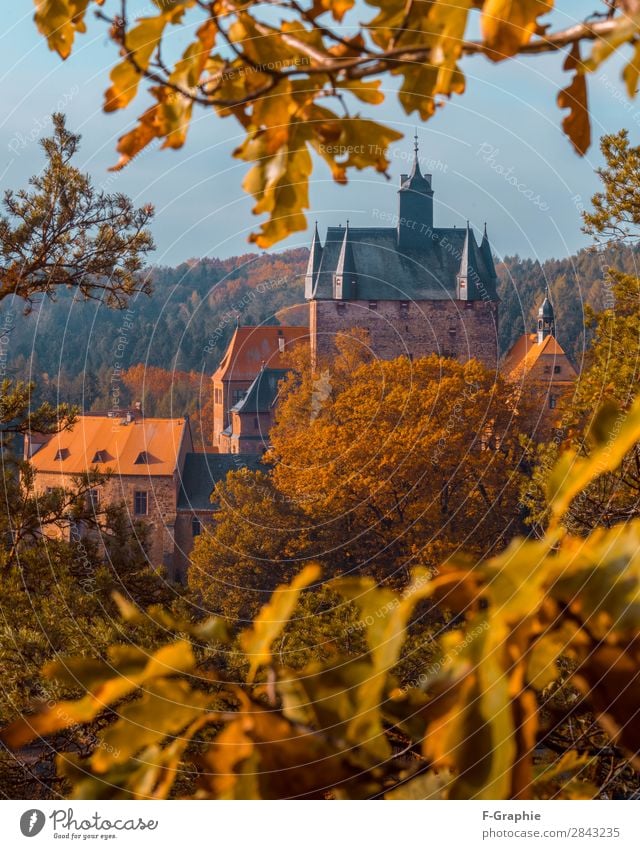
346 264
546 308
313 265
416 182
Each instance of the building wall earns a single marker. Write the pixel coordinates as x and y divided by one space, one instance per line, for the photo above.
161 506
222 406
185 539
463 330
249 434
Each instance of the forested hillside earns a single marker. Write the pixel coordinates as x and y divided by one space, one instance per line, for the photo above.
86 354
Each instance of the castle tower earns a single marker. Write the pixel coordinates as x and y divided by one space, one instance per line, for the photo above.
415 206
546 319
414 288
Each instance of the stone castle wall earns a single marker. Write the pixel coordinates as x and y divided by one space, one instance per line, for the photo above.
459 329
161 507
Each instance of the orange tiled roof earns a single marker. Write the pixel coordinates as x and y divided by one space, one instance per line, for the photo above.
250 347
526 352
107 443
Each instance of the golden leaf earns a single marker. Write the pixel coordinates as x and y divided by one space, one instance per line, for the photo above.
256 641
507 25
576 124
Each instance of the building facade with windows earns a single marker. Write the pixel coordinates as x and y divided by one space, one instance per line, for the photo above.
250 350
151 469
143 459
537 363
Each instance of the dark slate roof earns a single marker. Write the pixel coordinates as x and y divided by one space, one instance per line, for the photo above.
385 273
201 472
262 393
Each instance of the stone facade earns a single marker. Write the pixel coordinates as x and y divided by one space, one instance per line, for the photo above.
161 507
458 329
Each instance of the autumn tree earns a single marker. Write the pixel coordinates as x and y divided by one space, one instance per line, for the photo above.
610 378
65 233
295 83
376 467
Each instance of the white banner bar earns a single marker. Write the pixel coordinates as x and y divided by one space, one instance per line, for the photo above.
319 825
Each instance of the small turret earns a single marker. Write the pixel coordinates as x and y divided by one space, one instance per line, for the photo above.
487 255
344 280
313 266
546 318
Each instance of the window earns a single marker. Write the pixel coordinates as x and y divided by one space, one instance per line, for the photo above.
557 369
217 396
61 454
552 402
342 307
196 527
404 307
373 305
256 423
547 369
142 458
468 305
140 503
93 499
237 395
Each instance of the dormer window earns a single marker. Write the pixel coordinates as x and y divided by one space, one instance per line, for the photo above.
100 457
61 454
142 458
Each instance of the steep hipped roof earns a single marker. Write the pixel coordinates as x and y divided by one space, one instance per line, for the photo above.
528 352
261 395
250 347
203 471
384 272
110 443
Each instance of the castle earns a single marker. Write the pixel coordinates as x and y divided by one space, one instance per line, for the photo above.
416 289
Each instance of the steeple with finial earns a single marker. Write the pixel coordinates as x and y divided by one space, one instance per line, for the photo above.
313 264
415 213
344 279
546 318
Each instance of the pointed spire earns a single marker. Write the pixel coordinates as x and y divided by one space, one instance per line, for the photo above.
470 268
546 318
313 265
487 254
345 276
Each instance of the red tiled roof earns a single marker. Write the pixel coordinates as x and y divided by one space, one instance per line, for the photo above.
526 352
250 347
142 447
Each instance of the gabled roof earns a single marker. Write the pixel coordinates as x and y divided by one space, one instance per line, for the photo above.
118 442
250 347
202 472
528 352
261 395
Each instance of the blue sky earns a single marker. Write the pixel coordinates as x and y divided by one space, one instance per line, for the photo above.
497 153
